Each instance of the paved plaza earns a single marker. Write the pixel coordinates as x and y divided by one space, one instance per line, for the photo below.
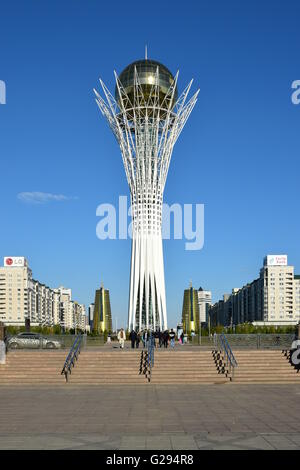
151 417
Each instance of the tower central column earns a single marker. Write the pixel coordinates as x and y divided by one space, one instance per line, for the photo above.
147 297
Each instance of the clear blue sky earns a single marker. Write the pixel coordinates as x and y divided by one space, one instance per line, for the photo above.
238 154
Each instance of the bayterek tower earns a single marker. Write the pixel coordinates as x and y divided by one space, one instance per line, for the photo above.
146 116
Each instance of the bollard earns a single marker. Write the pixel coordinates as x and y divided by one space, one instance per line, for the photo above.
2 343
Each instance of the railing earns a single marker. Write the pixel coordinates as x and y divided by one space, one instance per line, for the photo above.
260 341
150 356
72 356
230 361
270 341
147 358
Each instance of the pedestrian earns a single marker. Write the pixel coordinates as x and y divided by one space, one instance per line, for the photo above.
138 339
161 338
121 338
156 339
132 338
145 338
166 338
172 338
182 338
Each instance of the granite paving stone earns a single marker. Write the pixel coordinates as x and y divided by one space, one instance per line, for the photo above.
152 417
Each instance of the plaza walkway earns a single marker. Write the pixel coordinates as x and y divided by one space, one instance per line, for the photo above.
156 417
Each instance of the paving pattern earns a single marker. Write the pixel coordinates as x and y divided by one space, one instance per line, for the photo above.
158 417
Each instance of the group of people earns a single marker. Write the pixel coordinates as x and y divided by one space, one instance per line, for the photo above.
161 338
135 338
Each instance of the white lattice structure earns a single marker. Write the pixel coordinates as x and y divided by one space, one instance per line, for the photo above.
146 118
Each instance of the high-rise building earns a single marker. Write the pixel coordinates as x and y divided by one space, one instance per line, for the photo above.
272 299
24 298
204 300
146 117
297 297
79 319
102 320
91 315
278 283
190 311
15 291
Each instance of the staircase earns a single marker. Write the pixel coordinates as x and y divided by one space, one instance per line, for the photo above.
33 367
263 366
113 366
185 367
109 367
122 367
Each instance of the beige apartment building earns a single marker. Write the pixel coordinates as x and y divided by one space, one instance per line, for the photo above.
297 297
272 299
278 290
23 297
15 291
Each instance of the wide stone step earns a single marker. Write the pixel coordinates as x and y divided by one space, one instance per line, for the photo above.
265 381
145 381
268 367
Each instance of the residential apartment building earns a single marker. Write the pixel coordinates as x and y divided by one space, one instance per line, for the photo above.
297 296
15 291
22 297
272 299
80 318
66 308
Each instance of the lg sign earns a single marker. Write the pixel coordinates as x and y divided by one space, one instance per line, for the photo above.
15 261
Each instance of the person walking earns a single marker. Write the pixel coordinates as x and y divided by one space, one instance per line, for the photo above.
121 338
132 338
161 338
166 338
145 338
156 339
172 338
138 339
182 338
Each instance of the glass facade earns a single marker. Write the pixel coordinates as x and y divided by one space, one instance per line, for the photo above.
102 312
146 70
190 311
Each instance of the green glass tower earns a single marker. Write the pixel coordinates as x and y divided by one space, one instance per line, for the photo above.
190 311
102 312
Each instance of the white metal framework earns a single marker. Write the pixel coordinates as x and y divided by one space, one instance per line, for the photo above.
146 128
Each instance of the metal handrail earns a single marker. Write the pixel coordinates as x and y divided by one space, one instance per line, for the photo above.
227 351
72 356
147 358
150 356
231 355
